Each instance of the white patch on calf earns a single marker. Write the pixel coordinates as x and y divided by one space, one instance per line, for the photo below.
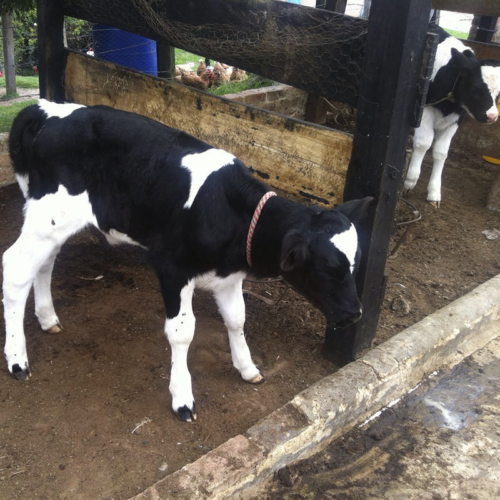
58 215
347 243
114 237
443 53
440 122
210 281
201 165
491 76
59 110
23 181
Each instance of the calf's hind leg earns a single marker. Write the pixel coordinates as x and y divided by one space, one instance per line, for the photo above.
44 307
48 223
21 264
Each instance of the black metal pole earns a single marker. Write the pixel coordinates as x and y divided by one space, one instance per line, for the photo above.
165 55
394 53
486 28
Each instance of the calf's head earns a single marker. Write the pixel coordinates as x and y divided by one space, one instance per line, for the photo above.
478 86
320 261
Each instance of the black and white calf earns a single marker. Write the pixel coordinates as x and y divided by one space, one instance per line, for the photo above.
459 83
188 205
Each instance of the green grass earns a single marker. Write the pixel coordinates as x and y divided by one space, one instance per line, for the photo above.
8 113
457 34
23 82
183 57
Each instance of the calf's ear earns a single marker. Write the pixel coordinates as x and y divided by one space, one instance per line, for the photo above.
355 210
463 62
294 251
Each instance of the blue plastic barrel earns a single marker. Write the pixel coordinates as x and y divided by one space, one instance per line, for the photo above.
127 49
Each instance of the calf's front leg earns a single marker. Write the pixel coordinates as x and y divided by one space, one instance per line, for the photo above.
229 298
422 141
439 155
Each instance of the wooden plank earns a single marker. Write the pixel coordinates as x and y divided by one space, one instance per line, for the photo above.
394 54
478 7
51 54
316 50
303 159
484 50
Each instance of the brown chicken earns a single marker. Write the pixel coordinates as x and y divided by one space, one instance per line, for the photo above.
220 74
201 68
238 75
198 82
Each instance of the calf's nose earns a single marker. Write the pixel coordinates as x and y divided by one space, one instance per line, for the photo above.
349 320
356 317
492 117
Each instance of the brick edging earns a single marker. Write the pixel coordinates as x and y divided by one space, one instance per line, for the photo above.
335 404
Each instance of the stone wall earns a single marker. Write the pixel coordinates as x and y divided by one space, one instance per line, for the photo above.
283 99
6 172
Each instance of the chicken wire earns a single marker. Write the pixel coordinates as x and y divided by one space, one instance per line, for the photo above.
318 51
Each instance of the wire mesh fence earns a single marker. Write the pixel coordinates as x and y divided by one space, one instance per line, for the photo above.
312 49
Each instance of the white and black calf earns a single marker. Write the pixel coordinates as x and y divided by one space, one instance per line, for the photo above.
188 205
460 83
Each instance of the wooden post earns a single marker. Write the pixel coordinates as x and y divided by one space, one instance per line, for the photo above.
165 55
52 59
394 53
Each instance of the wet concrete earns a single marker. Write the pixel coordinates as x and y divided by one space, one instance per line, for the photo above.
442 441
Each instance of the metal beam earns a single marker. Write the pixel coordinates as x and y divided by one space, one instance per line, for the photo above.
479 7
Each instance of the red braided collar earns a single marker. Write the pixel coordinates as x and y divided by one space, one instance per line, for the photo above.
255 218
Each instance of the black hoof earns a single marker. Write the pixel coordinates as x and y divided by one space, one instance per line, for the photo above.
185 414
20 373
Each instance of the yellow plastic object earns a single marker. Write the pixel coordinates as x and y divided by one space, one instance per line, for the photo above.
489 159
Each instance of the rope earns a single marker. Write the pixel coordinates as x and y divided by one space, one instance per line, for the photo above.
254 221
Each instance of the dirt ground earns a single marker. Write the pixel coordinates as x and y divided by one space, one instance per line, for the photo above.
442 441
67 432
24 95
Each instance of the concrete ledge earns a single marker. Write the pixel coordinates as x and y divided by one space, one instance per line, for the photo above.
283 99
335 404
